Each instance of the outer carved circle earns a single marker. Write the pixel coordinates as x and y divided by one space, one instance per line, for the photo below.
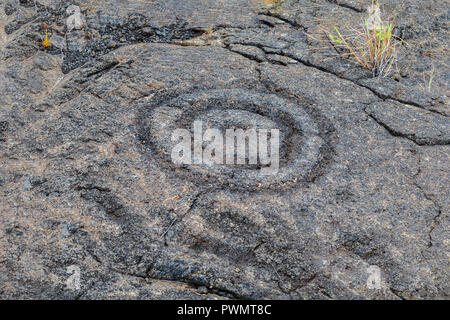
302 145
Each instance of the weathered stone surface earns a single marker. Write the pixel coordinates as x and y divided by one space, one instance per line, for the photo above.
421 126
86 177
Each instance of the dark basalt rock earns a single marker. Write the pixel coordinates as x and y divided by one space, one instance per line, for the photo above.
86 178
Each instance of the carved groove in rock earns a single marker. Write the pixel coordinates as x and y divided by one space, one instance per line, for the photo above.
304 148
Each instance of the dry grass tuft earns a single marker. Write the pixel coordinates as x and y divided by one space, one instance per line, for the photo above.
371 44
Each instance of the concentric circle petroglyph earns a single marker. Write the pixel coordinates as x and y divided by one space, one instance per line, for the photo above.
303 147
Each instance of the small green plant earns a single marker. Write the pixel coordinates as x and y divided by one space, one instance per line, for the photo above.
372 45
209 29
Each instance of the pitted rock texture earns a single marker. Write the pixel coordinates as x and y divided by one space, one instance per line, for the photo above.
86 178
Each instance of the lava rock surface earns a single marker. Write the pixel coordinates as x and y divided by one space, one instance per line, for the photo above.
86 179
